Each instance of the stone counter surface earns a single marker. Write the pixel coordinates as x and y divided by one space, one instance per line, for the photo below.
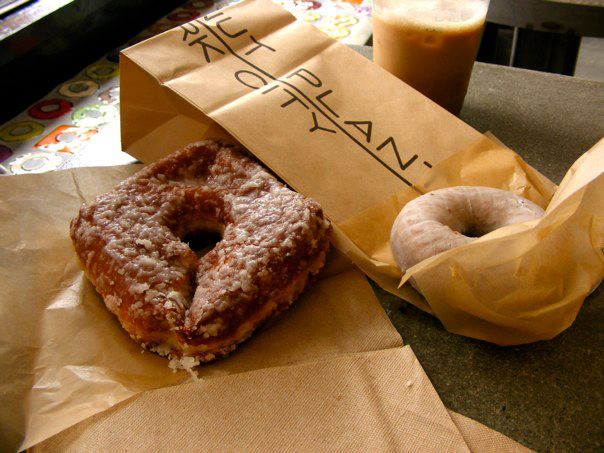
546 395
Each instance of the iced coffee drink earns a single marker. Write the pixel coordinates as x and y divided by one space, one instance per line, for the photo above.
430 44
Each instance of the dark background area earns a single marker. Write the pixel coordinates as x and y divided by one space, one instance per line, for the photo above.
54 48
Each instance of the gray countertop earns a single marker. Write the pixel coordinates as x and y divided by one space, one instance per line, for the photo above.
546 395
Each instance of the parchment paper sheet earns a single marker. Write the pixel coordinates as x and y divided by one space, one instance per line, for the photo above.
65 357
345 132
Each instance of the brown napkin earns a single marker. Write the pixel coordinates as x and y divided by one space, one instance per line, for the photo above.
376 401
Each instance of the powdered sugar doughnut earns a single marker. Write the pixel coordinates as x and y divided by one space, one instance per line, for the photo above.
446 218
172 302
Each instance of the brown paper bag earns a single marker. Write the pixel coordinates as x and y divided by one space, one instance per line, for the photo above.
345 132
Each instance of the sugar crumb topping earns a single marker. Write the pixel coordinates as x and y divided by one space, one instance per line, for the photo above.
130 241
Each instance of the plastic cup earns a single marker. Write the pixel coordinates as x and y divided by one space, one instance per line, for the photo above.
430 44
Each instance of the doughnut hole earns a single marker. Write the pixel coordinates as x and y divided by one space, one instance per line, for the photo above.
201 242
202 236
473 231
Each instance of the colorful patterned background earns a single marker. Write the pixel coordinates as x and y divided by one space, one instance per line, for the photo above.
77 124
